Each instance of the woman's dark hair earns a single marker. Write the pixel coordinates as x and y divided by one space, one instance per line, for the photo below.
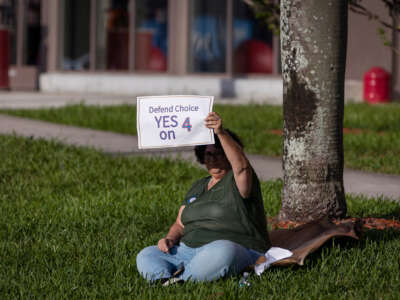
201 149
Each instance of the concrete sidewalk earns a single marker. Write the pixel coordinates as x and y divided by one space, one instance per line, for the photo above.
36 100
356 182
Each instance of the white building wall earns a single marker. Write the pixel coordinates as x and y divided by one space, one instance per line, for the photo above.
257 90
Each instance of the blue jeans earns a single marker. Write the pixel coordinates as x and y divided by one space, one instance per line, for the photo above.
209 262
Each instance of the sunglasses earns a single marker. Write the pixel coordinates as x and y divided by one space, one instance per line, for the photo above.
214 153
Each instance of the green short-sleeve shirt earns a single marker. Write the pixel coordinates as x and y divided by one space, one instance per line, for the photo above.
221 213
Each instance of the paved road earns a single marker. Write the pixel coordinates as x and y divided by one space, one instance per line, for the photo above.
356 182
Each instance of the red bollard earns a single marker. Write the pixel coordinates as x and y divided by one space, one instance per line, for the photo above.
4 58
377 86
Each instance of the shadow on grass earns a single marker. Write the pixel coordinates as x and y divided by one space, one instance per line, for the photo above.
379 235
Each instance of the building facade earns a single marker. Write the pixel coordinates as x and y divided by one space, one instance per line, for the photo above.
139 47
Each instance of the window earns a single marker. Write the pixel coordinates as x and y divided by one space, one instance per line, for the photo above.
112 35
32 34
252 42
8 18
76 35
214 24
207 36
115 35
132 35
24 50
151 35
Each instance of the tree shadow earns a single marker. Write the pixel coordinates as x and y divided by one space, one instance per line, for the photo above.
378 235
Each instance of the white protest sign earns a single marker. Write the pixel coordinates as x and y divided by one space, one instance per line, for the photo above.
173 121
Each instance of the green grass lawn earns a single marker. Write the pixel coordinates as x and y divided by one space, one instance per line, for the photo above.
73 220
374 146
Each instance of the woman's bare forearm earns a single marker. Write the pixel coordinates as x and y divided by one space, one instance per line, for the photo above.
241 167
175 233
234 153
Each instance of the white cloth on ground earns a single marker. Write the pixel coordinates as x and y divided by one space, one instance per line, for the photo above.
272 255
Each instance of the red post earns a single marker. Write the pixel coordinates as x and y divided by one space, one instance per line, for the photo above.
4 58
376 85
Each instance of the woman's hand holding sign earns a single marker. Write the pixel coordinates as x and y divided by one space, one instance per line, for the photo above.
214 121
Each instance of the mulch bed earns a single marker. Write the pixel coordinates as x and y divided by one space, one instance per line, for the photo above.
365 223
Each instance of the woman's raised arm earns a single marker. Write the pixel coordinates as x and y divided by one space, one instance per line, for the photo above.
241 167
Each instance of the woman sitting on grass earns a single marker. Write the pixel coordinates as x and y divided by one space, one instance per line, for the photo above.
221 225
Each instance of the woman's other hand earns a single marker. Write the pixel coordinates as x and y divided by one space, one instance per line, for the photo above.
174 234
165 244
214 121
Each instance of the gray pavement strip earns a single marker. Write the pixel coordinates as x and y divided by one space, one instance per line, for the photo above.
356 182
39 100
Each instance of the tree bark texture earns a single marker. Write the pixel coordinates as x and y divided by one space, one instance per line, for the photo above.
313 49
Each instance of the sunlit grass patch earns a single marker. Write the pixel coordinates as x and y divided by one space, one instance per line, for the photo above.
73 220
371 143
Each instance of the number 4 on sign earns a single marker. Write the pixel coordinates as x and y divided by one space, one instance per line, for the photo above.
186 124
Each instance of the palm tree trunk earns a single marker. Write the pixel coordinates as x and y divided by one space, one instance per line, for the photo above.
313 46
